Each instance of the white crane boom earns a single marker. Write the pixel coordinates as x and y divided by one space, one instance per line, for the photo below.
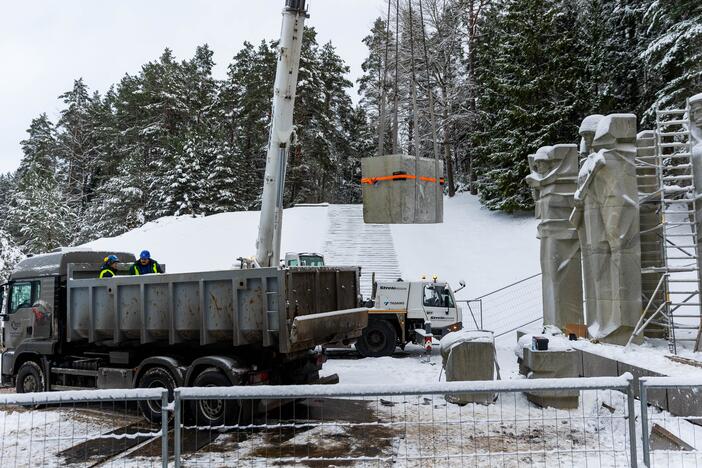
282 133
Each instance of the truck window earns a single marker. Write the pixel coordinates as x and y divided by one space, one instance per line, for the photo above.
293 263
311 260
23 295
437 296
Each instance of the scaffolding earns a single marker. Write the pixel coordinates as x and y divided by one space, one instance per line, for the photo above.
668 202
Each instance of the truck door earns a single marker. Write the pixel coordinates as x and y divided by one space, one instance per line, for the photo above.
439 305
23 294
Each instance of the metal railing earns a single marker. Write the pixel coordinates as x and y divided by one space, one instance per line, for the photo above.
519 302
81 428
671 429
317 425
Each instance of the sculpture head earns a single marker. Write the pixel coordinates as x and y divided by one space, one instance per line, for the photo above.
695 103
615 130
542 160
587 130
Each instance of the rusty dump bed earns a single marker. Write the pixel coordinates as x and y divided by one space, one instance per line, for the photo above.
290 309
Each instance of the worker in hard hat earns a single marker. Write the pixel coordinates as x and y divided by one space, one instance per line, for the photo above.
109 267
145 265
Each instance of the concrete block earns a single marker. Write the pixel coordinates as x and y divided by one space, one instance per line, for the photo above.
656 397
402 189
598 366
553 364
470 360
685 401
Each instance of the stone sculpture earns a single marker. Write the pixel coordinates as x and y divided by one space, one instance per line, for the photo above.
587 130
608 222
553 182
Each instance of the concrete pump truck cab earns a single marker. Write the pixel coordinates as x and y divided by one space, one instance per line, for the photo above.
65 328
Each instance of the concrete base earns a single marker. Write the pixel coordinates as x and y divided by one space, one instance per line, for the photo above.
551 364
470 360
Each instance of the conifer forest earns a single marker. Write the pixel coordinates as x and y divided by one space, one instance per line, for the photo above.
497 78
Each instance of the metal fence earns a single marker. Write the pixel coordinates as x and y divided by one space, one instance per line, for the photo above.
317 425
669 439
519 302
81 428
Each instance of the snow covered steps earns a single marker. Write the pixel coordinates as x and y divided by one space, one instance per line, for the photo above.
350 241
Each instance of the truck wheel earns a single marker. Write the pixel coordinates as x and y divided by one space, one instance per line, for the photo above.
211 413
155 377
30 378
379 338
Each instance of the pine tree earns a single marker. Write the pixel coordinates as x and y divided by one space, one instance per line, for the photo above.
10 255
531 98
673 53
39 216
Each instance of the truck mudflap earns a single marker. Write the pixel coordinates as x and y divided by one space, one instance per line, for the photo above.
311 330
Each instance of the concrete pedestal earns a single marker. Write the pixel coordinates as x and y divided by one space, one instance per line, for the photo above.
551 364
469 356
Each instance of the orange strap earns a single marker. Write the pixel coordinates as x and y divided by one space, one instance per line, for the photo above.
373 180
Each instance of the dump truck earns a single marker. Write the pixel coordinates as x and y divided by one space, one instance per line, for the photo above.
402 312
66 329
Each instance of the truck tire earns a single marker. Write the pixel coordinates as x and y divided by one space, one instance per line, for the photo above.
155 377
210 413
379 338
30 378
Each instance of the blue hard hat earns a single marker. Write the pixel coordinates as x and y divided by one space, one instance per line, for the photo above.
111 259
145 255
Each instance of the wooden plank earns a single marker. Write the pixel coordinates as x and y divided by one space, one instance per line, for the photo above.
662 439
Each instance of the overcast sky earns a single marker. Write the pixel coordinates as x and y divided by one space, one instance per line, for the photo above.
45 45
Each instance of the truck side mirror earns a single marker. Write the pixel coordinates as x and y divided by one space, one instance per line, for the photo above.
463 285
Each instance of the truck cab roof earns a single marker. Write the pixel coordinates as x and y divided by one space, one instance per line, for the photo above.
56 263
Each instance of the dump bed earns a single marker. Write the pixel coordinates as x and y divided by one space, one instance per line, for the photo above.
290 309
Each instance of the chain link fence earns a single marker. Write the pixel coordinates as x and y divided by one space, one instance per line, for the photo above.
318 425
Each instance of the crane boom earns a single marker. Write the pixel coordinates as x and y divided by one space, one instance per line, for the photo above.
282 133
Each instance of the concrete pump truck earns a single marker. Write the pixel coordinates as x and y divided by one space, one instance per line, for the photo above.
66 329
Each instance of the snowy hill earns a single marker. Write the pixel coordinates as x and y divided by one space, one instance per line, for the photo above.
486 249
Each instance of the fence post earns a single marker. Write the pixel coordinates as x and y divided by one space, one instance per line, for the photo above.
164 428
632 422
176 428
482 326
643 396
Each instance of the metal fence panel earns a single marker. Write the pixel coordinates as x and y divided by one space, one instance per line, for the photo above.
393 425
81 429
668 439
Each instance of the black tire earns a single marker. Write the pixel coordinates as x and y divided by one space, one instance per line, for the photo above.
210 413
155 377
30 378
379 338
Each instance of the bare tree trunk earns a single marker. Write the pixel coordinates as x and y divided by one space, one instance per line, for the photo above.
448 160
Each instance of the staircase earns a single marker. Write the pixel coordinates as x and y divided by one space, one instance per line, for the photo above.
351 242
682 310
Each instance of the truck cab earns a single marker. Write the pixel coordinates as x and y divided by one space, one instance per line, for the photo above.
294 259
406 311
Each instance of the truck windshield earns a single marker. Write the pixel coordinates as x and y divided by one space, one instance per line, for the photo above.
436 295
311 260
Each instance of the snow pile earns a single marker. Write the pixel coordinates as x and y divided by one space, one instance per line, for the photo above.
215 242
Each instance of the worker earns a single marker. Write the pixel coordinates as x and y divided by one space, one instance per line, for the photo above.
145 265
109 267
